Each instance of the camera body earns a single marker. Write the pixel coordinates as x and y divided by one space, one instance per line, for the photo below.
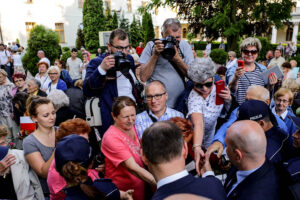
122 64
169 50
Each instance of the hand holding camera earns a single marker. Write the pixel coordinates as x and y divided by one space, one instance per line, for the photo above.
165 47
159 47
108 62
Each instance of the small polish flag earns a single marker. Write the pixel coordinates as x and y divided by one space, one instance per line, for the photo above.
27 124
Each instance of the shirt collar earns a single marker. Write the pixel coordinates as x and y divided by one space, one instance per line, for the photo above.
172 178
283 115
166 112
241 175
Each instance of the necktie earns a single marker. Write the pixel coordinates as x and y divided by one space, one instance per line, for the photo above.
229 185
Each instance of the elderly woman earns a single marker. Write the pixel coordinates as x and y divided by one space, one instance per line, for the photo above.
42 75
19 81
202 108
121 147
64 74
231 59
56 82
33 88
239 78
283 98
61 104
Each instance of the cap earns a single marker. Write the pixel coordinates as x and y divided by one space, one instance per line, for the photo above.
296 120
3 152
255 110
73 148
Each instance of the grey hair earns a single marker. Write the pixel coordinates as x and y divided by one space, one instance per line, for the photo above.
36 82
232 53
250 41
58 98
54 68
171 22
201 69
264 94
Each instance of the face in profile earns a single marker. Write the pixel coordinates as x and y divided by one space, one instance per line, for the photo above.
46 115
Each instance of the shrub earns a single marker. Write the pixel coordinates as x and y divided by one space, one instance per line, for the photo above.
67 55
41 38
65 49
219 56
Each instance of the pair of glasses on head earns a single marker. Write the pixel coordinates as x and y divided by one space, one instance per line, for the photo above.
156 97
120 48
200 85
252 52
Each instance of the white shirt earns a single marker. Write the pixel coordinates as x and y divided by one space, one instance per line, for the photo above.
17 59
51 87
74 67
283 115
46 60
45 80
172 178
124 86
4 57
230 63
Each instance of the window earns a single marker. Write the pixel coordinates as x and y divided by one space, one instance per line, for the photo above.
184 32
144 3
29 27
289 34
80 3
59 29
157 31
129 6
29 1
156 11
108 3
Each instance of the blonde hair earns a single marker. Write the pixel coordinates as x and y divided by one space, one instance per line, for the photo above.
290 84
283 91
4 131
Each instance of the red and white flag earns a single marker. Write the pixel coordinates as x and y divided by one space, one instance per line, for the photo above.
27 124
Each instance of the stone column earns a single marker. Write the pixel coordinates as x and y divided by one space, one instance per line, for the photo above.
295 32
274 35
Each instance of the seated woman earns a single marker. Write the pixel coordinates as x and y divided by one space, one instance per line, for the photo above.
283 98
64 74
202 108
39 145
42 75
56 82
61 105
18 180
19 81
121 147
73 157
33 88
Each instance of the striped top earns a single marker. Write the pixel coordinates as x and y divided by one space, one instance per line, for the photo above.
248 79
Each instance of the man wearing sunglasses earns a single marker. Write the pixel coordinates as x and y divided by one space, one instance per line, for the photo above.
171 72
107 84
156 96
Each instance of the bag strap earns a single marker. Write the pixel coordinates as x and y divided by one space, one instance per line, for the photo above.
153 119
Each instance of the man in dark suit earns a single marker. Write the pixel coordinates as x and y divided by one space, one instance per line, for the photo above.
252 175
164 151
105 81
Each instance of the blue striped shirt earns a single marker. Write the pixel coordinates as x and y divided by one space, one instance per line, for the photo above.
143 121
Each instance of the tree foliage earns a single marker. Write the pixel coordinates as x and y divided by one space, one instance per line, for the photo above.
219 56
147 27
135 32
230 18
40 38
124 23
94 21
79 39
111 21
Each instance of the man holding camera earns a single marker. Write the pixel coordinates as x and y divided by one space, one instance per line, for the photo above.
111 75
158 61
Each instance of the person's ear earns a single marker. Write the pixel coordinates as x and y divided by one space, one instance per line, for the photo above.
108 47
268 101
238 155
167 96
145 160
185 150
261 123
113 116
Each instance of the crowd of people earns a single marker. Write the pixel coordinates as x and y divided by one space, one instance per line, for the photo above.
169 123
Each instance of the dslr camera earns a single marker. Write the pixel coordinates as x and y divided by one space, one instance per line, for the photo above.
122 64
169 50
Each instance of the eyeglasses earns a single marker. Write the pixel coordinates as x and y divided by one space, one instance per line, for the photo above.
156 97
120 48
282 100
252 52
52 73
200 86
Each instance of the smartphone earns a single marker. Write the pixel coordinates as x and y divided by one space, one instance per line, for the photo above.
220 85
241 64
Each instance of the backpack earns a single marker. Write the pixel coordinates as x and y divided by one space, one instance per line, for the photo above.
93 114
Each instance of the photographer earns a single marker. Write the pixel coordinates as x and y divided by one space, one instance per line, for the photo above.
111 75
156 64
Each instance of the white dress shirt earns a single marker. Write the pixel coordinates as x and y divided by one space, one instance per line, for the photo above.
172 178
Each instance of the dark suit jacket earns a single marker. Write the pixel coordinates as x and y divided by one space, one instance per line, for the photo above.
262 184
97 85
209 187
41 93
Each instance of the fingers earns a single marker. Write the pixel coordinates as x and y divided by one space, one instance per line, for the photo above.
220 151
158 47
7 161
108 62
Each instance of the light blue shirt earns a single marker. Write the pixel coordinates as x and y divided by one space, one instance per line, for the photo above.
241 175
143 121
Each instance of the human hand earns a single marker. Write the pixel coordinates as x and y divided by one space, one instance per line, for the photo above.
225 94
6 162
108 62
272 79
198 157
239 72
126 195
158 47
100 168
216 146
176 56
205 167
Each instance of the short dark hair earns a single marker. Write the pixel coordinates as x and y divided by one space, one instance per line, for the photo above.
19 75
74 50
120 103
287 65
119 33
162 142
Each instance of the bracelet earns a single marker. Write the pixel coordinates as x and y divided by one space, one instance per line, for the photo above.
195 145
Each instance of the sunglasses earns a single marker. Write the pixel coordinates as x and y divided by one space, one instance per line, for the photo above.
200 86
252 52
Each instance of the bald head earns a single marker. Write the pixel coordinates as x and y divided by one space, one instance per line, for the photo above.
248 137
41 54
256 92
156 83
